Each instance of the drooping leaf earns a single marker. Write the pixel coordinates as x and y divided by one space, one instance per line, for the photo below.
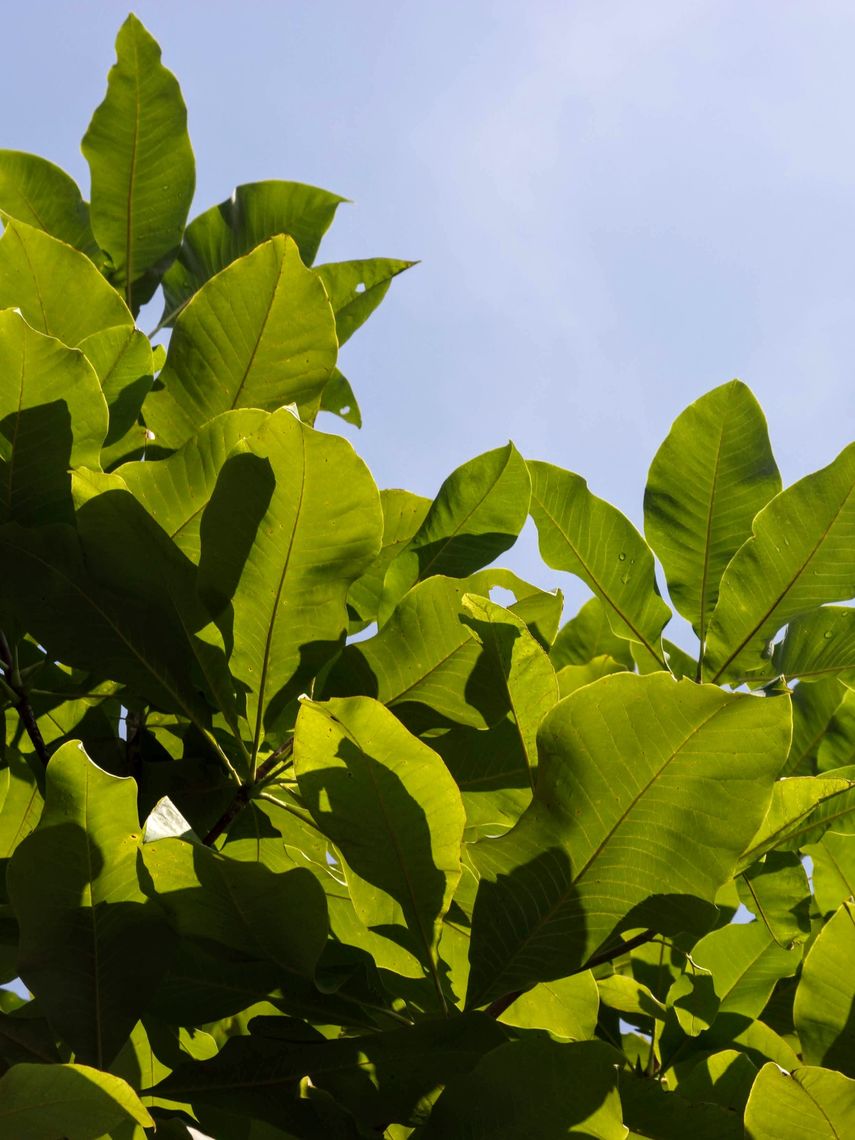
254 213
477 514
280 351
356 288
800 556
393 811
403 513
709 479
259 1076
604 846
41 194
807 1102
93 948
123 361
141 162
57 288
745 963
43 1102
261 914
533 1088
587 636
52 417
777 892
590 538
294 519
825 998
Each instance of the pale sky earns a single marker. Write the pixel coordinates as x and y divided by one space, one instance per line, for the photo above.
617 205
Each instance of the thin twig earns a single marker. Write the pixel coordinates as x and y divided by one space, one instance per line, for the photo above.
245 792
21 700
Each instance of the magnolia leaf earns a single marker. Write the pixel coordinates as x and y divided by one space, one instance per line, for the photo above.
588 636
533 1088
825 998
52 417
254 213
801 809
56 287
745 963
801 554
43 1102
22 803
813 708
477 514
833 859
338 399
93 947
605 845
281 351
806 1102
590 538
141 162
777 892
123 361
709 479
650 1111
566 1007
356 288
393 811
41 194
403 514
817 645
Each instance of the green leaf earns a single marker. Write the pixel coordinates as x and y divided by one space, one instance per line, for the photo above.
259 1076
338 399
356 288
255 212
745 963
723 1078
264 915
393 811
533 1088
52 417
43 1102
590 538
93 948
777 892
22 803
176 490
808 1102
539 609
58 289
652 1112
293 520
813 708
477 514
40 194
281 350
629 996
123 361
801 809
709 479
833 869
605 845
566 1007
573 677
141 162
403 514
837 747
818 644
801 554
587 636
825 998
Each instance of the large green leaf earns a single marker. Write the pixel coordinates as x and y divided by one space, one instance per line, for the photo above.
44 1102
176 490
605 846
777 892
403 514
566 1008
264 915
356 288
124 363
58 289
745 963
254 213
588 636
22 803
477 514
801 554
41 194
93 947
141 162
279 350
590 538
709 479
52 417
801 809
824 1009
817 645
806 1104
392 809
259 1076
833 859
294 519
813 707
533 1088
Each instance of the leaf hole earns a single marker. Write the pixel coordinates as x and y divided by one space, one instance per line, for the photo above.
360 288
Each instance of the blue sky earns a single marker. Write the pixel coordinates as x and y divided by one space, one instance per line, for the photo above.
617 205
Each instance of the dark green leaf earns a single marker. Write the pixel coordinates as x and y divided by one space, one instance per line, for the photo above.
824 1010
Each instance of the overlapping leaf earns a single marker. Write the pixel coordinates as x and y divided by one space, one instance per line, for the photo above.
808 1101
42 1102
41 194
605 845
825 999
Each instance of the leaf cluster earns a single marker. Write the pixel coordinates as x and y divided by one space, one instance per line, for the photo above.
317 823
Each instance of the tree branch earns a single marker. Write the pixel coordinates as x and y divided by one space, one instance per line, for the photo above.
245 792
21 700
